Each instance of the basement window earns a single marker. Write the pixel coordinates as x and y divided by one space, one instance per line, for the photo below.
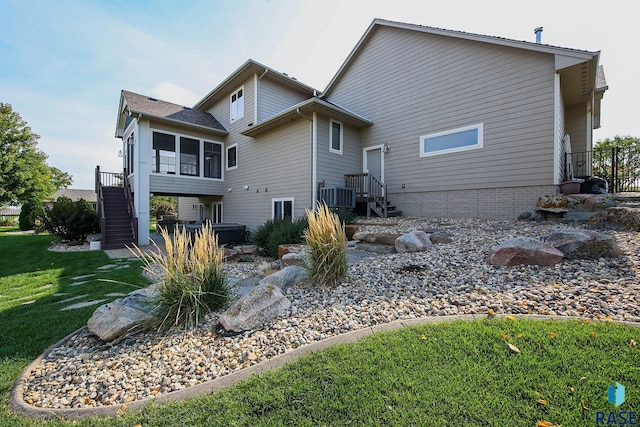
452 141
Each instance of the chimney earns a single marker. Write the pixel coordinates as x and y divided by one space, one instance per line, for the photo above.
538 32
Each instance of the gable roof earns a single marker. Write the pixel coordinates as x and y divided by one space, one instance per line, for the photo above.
564 57
135 104
302 109
247 69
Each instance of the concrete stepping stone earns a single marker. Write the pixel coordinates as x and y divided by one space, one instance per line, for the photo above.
82 304
29 297
50 285
71 299
120 267
28 302
79 283
107 267
115 294
60 294
83 277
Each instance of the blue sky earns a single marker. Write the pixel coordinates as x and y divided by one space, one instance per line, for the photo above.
64 62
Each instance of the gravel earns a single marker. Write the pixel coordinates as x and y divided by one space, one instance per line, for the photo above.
449 279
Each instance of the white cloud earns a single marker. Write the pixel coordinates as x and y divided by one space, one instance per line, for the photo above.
171 92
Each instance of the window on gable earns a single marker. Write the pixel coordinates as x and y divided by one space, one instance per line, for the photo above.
282 208
452 141
237 104
232 156
212 160
335 137
189 156
164 153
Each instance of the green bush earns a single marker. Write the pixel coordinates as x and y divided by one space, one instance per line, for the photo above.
279 232
70 220
30 212
346 216
328 243
192 282
7 221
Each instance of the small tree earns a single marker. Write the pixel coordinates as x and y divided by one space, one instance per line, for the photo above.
30 213
70 220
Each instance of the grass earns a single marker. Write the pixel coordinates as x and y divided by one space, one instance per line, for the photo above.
460 373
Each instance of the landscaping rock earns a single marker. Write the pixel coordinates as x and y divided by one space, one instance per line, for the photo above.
617 218
124 315
556 203
524 250
287 277
291 259
262 305
415 241
376 249
438 238
576 244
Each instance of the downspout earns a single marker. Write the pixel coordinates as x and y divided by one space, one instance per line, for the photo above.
314 162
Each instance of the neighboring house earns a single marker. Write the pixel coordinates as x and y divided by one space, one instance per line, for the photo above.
433 121
74 195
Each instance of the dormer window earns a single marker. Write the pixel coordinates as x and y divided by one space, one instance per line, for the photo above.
237 104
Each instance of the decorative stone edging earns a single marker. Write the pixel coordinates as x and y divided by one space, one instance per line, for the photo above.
19 406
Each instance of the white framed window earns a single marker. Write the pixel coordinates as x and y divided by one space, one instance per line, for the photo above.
335 137
232 157
282 208
452 141
237 104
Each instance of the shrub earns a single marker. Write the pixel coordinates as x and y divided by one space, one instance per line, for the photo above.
70 220
279 232
29 214
346 216
328 247
7 221
193 281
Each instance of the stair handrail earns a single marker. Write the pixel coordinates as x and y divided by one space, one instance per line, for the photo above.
378 191
130 206
101 217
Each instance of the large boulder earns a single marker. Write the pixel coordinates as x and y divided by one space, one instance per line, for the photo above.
415 241
124 315
262 305
576 244
524 250
287 277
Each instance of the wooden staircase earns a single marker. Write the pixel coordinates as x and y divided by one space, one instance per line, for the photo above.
373 192
118 229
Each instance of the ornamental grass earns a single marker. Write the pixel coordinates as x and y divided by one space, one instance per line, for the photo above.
327 241
192 282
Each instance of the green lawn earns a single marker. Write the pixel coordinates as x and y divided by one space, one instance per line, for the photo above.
461 373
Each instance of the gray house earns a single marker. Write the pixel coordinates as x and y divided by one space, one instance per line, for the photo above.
422 120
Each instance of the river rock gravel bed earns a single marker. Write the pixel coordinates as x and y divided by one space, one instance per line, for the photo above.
449 279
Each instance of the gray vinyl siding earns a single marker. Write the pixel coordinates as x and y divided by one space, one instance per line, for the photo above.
182 185
576 127
427 83
186 211
274 98
332 167
222 109
276 164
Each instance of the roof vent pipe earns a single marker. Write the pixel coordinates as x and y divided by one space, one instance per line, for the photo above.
538 32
